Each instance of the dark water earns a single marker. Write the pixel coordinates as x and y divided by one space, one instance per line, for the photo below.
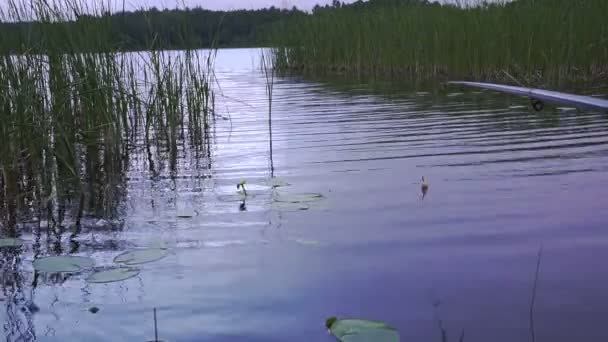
503 181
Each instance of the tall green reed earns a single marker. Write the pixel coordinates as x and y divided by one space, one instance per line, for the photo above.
539 42
69 118
268 68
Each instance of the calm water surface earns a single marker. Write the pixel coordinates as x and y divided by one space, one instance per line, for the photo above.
503 181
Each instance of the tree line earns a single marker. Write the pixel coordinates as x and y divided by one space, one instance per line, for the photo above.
146 29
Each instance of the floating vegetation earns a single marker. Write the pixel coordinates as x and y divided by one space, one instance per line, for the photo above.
11 242
142 256
277 183
290 206
63 264
216 244
310 243
454 94
301 198
186 213
296 202
112 275
359 330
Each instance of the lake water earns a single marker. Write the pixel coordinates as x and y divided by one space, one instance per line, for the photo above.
504 181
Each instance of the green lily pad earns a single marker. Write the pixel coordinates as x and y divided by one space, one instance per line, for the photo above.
66 263
373 335
186 213
10 242
112 275
141 256
277 183
359 330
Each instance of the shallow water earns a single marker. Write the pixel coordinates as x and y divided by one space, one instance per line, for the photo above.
503 181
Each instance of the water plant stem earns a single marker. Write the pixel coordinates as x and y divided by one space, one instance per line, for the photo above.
155 327
533 300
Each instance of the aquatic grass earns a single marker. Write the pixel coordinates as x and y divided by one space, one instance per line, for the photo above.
70 118
269 69
539 42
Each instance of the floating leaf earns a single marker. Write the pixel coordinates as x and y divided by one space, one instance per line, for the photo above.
186 213
112 275
277 183
299 198
373 335
296 202
305 242
290 206
141 256
359 330
67 263
10 242
223 243
454 94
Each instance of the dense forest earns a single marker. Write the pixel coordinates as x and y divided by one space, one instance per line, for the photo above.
164 29
150 28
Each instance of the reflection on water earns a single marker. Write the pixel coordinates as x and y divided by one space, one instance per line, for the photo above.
341 230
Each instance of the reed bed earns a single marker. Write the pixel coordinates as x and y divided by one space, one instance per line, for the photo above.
69 119
539 42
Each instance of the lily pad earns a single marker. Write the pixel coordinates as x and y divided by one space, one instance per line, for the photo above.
112 275
299 198
141 256
186 213
290 206
66 263
296 202
225 243
304 242
10 242
277 183
359 330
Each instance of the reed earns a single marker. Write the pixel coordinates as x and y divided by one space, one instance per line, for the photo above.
69 118
269 70
540 42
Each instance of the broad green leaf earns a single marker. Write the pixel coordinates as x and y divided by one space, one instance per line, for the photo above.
373 335
112 275
359 330
67 263
141 256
